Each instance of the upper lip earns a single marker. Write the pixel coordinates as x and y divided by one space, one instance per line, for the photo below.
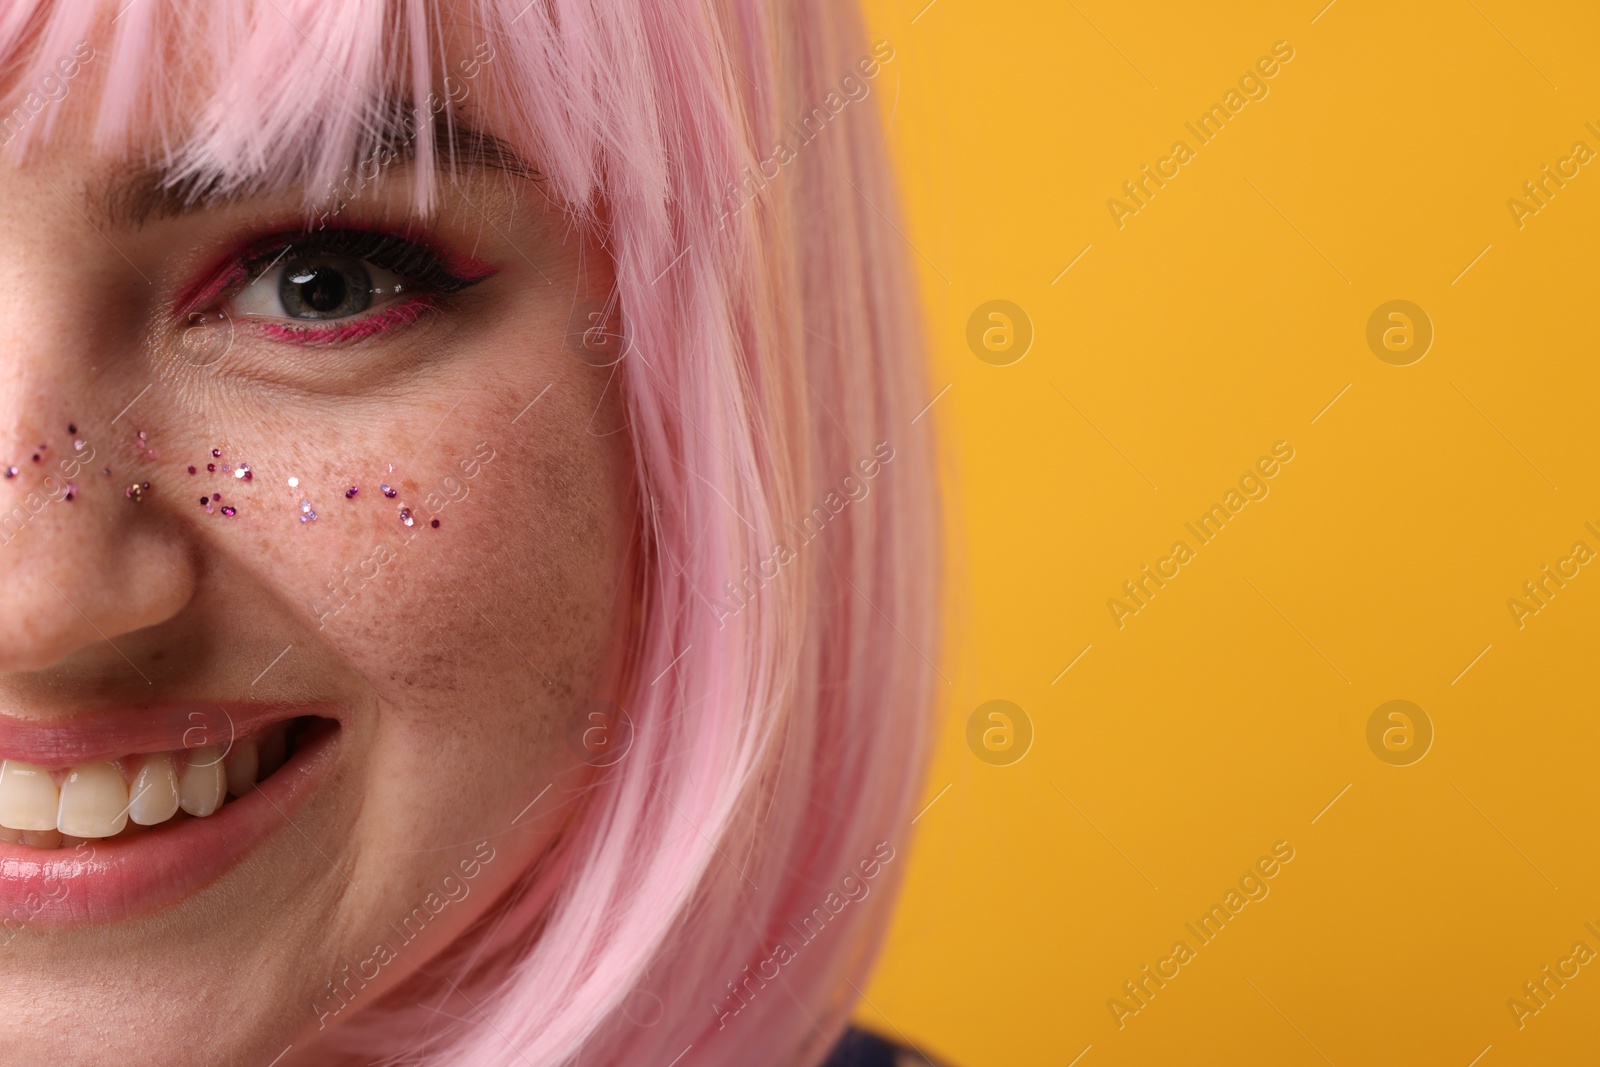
110 733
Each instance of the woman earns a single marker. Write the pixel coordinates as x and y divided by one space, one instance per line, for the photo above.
468 530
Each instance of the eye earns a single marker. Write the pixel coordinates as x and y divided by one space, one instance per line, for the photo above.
339 285
319 288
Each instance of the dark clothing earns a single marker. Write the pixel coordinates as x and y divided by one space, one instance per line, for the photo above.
860 1049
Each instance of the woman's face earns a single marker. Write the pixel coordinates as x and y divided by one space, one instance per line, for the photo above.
208 591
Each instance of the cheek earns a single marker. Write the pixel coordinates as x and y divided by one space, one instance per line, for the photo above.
506 607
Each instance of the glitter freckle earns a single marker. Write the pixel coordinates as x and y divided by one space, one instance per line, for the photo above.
211 466
434 524
294 483
11 472
191 470
350 493
230 511
72 427
388 492
405 517
36 457
216 453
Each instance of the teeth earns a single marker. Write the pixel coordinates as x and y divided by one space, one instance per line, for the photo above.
28 796
154 790
94 801
98 800
241 765
201 785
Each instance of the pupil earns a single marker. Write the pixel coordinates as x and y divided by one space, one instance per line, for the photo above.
325 288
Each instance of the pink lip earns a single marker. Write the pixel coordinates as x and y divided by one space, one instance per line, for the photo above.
105 881
91 736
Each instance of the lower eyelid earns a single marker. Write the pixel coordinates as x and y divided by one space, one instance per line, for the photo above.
381 321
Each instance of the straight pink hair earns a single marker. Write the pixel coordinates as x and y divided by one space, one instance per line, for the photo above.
782 710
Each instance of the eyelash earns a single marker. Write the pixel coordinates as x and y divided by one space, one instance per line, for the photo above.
427 271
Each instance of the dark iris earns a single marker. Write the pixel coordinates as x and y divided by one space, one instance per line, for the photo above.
325 287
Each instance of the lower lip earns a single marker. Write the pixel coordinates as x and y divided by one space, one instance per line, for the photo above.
116 878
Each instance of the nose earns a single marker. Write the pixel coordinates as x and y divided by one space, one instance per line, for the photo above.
82 561
82 564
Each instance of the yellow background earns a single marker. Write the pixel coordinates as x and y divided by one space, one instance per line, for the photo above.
1230 712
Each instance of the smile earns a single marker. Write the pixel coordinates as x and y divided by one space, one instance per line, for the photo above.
48 808
89 835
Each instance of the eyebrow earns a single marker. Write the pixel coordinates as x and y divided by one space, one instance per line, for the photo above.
148 193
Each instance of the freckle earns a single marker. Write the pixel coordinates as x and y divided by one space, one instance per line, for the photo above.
106 471
36 457
204 501
434 524
72 492
72 427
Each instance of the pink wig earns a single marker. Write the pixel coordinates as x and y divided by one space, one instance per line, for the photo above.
781 676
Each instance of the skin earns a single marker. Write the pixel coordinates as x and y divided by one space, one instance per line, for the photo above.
458 666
